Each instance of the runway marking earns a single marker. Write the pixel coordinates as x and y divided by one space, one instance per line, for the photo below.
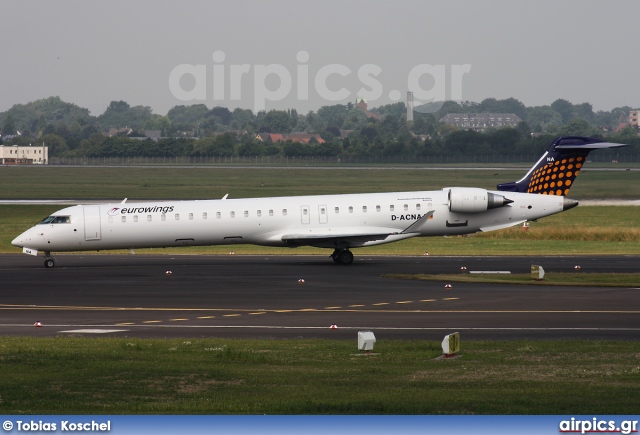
92 331
231 315
125 324
380 304
206 317
178 320
355 306
405 302
324 327
261 312
152 321
428 300
332 308
309 309
450 299
387 328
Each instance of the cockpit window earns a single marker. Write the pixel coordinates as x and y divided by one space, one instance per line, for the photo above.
56 220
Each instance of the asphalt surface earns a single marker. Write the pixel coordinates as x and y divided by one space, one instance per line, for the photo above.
261 297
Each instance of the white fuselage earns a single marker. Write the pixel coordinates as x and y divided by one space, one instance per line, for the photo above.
331 221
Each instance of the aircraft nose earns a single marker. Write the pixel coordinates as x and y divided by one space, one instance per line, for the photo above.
18 241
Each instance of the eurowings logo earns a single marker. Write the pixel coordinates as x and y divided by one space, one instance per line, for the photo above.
113 211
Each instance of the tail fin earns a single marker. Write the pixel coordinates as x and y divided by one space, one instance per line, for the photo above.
558 167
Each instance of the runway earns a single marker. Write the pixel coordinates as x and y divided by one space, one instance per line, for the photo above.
261 297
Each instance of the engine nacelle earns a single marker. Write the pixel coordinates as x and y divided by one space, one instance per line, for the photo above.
474 200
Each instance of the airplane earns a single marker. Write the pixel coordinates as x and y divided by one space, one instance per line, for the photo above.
339 222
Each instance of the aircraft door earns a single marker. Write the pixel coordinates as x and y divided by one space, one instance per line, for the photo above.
322 213
304 212
92 222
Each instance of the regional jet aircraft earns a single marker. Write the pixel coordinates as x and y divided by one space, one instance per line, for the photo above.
338 222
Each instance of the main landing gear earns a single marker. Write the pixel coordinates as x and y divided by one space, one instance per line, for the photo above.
49 261
342 256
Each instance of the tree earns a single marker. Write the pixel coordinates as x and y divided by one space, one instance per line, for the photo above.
578 127
564 108
9 126
222 113
543 118
276 121
118 106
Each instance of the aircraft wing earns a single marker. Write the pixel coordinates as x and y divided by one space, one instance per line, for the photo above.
353 237
334 240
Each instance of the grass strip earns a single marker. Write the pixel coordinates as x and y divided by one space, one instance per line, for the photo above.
554 279
72 375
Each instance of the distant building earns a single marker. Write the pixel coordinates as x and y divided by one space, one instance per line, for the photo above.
481 121
361 104
27 155
114 131
293 137
633 117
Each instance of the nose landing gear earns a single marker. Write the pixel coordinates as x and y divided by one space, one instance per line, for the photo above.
49 261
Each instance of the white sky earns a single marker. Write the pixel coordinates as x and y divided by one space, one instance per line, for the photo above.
90 53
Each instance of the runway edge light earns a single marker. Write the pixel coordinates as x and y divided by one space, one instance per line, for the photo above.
451 344
537 272
366 340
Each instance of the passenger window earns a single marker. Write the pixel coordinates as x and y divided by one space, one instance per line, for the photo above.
364 209
148 218
270 212
204 215
284 212
163 217
392 207
135 218
305 211
378 208
323 210
337 210
124 219
218 215
177 216
259 213
406 207
417 206
190 216
246 213
233 214
350 209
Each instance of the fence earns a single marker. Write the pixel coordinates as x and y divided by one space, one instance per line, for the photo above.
326 160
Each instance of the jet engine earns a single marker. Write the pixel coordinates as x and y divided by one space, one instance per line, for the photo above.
474 200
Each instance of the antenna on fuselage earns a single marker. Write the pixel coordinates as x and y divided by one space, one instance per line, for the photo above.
124 200
225 197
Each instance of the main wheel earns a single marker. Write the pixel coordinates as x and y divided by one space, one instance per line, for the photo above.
49 263
344 257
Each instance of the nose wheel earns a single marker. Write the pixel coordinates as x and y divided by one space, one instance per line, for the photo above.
49 261
342 256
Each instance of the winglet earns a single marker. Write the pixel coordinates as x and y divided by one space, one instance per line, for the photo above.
418 225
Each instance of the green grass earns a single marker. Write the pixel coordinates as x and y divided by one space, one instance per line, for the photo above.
219 376
565 279
115 183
